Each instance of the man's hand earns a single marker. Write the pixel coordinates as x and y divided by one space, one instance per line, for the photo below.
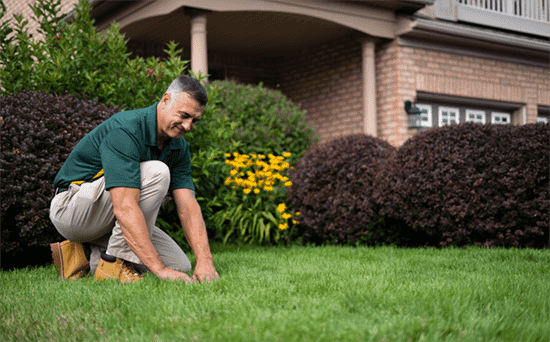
170 274
205 272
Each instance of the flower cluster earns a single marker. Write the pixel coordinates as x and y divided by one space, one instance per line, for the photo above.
264 176
265 173
281 209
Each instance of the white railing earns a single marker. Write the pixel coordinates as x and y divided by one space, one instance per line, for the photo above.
529 9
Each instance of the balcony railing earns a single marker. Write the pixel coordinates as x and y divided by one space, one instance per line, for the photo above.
526 16
529 9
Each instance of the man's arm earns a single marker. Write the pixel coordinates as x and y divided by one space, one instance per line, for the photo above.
135 232
194 228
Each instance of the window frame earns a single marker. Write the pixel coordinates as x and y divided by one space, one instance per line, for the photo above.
441 109
428 115
494 115
476 112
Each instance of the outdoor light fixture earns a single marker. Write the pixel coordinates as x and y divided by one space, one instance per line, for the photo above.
413 113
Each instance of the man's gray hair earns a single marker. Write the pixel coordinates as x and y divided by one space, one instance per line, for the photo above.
189 85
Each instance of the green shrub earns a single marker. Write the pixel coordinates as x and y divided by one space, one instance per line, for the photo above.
37 133
471 184
75 58
267 121
332 190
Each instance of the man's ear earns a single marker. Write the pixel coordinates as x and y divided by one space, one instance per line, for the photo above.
165 98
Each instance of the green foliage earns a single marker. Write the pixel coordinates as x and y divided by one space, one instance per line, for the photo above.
255 203
267 121
73 57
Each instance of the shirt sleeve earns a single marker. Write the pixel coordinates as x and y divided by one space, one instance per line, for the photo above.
180 173
120 156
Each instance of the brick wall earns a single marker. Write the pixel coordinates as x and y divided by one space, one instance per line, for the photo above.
327 81
402 71
22 6
394 84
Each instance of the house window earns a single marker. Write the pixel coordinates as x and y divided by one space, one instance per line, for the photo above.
448 116
477 116
500 118
543 114
425 118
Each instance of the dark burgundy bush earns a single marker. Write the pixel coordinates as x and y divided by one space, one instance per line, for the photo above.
38 131
332 189
471 184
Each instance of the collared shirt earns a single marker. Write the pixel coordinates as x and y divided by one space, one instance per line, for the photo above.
117 146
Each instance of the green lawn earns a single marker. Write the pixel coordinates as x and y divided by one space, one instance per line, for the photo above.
297 294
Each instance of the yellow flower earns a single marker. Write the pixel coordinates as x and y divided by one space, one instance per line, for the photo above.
289 183
294 222
268 188
235 154
228 181
283 226
286 216
233 172
298 213
227 155
261 156
287 154
256 191
281 207
285 165
246 191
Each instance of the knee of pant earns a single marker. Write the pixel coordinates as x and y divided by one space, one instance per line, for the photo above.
161 172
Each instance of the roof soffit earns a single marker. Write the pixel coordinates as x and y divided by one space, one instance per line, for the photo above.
377 22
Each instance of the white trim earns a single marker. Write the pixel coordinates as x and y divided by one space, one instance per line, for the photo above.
478 116
425 118
543 119
449 118
501 118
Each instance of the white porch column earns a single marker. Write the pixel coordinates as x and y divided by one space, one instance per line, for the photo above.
199 55
369 87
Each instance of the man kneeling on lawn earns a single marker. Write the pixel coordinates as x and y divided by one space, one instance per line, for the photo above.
109 191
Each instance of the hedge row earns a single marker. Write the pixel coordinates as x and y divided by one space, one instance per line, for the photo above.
467 184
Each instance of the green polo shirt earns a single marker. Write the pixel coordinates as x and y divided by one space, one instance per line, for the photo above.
117 146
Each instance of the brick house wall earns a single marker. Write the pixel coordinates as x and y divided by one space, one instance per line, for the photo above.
326 80
404 71
22 6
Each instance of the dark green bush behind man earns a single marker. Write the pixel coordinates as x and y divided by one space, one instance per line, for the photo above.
109 191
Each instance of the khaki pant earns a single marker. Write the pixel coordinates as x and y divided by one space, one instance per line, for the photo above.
84 213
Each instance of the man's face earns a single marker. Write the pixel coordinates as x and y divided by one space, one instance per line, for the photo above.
177 114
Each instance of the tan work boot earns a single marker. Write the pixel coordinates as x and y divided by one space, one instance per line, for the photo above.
116 269
69 257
